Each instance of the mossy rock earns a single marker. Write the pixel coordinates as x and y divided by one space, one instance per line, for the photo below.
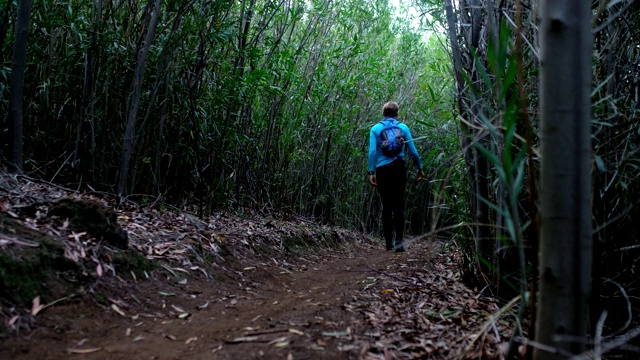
27 272
43 270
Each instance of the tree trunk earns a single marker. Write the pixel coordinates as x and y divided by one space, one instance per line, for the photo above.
465 136
16 86
484 241
493 38
565 251
476 22
83 157
143 53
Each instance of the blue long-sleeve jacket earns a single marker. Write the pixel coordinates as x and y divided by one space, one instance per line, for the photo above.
377 158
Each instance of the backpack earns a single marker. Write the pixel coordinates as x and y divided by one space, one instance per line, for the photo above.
391 141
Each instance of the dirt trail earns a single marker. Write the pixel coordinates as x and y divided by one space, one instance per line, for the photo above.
278 309
229 287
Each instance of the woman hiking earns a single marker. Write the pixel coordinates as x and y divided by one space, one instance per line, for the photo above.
388 172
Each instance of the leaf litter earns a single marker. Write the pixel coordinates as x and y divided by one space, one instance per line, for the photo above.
413 307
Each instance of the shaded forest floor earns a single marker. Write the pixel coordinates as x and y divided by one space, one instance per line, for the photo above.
230 287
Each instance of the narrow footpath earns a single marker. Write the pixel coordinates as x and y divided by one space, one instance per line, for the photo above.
232 287
362 303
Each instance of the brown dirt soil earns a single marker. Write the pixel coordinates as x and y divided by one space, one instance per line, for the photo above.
238 288
293 310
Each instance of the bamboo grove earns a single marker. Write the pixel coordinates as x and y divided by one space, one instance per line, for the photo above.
252 104
496 52
266 105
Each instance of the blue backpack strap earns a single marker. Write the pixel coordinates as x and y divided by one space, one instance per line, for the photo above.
389 123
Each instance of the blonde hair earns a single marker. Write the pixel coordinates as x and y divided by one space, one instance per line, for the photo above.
390 109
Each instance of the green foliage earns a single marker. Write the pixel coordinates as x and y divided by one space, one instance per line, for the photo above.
244 104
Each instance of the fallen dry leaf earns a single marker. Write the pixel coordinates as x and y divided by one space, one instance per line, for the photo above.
242 339
178 309
83 351
203 306
35 306
297 332
279 342
117 309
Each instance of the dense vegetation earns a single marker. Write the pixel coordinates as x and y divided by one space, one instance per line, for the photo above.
496 48
249 104
266 105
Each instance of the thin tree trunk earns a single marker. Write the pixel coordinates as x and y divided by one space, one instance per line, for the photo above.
533 240
484 242
465 136
566 244
493 32
476 22
16 87
128 143
82 158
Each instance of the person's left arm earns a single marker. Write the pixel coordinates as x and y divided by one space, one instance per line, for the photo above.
373 154
413 153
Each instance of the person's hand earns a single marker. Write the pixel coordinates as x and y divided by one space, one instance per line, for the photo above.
420 175
372 180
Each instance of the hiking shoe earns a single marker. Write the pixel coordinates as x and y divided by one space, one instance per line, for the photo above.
400 247
390 245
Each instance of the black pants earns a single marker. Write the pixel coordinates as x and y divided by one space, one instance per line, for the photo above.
392 181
